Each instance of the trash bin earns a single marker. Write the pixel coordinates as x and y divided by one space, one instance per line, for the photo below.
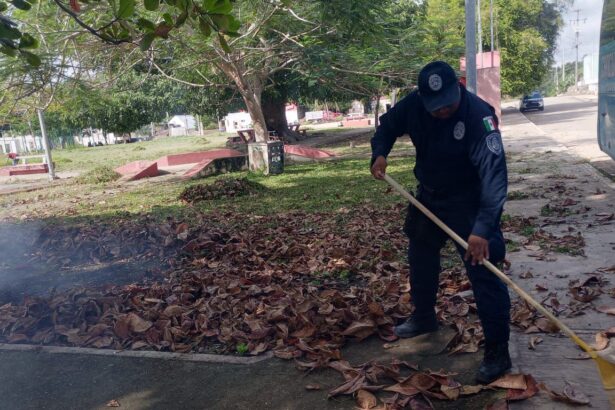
266 157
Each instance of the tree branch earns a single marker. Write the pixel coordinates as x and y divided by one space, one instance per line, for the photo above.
92 30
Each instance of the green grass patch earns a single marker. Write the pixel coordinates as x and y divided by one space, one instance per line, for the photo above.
87 158
329 186
319 187
98 175
242 348
512 246
559 211
527 230
517 195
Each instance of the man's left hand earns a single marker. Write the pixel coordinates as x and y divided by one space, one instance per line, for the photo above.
478 249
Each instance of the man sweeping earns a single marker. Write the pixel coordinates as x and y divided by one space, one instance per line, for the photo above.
461 170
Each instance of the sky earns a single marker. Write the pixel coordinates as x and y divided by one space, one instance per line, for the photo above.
590 15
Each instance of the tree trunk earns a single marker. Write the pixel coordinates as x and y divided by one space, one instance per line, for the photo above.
274 110
251 92
376 111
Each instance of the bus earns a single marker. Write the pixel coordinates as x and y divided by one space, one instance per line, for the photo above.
606 84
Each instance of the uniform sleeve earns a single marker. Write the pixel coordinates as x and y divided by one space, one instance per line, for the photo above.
391 127
488 157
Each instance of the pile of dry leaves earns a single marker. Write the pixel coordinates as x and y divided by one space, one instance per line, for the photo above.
299 284
221 188
137 238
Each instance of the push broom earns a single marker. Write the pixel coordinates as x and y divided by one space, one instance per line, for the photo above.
605 366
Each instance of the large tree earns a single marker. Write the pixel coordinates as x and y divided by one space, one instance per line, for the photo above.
256 42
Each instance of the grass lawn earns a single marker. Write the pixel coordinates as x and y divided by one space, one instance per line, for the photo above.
85 159
313 187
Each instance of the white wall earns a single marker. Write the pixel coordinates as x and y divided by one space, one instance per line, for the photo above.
590 69
237 121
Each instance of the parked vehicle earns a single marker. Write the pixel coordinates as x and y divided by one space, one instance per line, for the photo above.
532 101
606 81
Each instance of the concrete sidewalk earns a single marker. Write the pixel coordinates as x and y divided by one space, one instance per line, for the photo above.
542 167
539 165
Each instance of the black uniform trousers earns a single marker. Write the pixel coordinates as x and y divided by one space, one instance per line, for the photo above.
458 211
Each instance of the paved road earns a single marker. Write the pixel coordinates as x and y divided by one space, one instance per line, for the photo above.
572 121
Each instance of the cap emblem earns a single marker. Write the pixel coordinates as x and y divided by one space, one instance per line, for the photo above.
435 82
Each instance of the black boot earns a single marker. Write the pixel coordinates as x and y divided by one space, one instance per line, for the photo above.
495 363
416 325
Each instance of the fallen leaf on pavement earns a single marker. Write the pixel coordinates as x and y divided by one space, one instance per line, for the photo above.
522 394
389 345
471 389
602 341
313 387
526 275
571 394
546 325
609 310
534 340
366 400
113 403
510 381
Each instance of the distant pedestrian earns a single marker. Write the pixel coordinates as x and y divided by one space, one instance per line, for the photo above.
13 157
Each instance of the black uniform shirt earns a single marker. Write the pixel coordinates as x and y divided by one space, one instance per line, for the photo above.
462 153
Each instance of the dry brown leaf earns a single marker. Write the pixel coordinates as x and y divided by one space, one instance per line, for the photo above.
570 394
471 389
584 294
452 392
510 381
534 340
366 400
602 341
113 403
579 356
360 329
522 394
546 325
609 310
313 387
349 386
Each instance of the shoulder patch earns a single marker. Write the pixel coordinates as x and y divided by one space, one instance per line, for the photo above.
459 131
494 143
489 123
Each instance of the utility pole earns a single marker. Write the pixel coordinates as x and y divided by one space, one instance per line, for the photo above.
563 67
46 146
480 35
491 18
471 45
577 31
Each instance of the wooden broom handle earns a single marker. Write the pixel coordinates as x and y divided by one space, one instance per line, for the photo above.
490 266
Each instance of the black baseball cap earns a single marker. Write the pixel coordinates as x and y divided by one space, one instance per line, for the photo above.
438 86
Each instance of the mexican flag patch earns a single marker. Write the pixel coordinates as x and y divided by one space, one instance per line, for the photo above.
489 123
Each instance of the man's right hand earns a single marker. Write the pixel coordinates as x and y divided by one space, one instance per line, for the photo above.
379 167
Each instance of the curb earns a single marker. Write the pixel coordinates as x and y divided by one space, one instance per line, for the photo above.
148 354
